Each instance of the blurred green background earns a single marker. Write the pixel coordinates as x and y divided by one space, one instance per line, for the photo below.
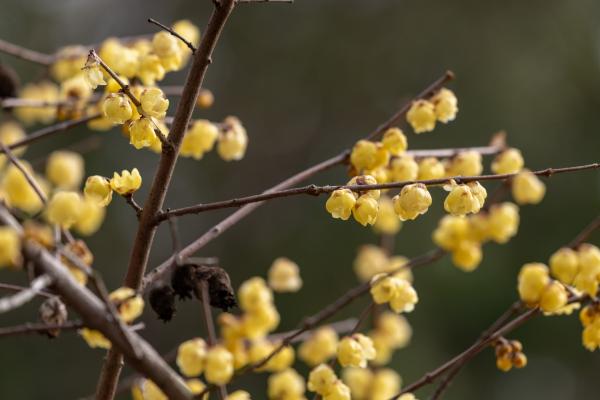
307 80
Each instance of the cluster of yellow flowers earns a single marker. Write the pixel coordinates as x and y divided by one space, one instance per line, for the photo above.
323 380
509 354
366 384
464 236
395 290
423 114
129 305
536 288
579 268
526 187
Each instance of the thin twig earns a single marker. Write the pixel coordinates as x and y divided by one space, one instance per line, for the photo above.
136 207
19 288
29 328
25 54
28 176
202 294
113 74
583 236
314 190
24 296
51 130
172 32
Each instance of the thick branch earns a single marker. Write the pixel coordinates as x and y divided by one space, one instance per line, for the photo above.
147 227
314 190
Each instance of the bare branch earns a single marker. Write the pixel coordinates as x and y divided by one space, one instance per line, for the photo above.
25 54
51 130
28 176
314 190
172 32
24 296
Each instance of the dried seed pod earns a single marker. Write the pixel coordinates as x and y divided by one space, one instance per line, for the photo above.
183 281
162 301
220 291
53 312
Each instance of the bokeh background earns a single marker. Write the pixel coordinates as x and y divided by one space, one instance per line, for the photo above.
307 80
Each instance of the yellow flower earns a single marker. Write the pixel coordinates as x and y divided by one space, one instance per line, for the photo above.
589 259
65 169
446 105
239 395
341 203
117 108
94 338
510 161
68 62
10 247
355 350
233 140
394 141
97 188
127 182
205 98
141 132
467 255
451 231
386 383
199 139
554 297
394 329
151 69
467 163
91 217
219 365
261 348
93 74
367 155
165 45
405 297
421 116
321 379
76 88
370 261
387 221
254 294
189 31
431 168
527 188
10 133
358 381
339 391
43 91
365 210
319 347
259 322
129 304
503 222
533 279
564 265
361 180
64 209
150 391
412 201
190 357
287 384
384 288
284 276
465 198
154 102
404 168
